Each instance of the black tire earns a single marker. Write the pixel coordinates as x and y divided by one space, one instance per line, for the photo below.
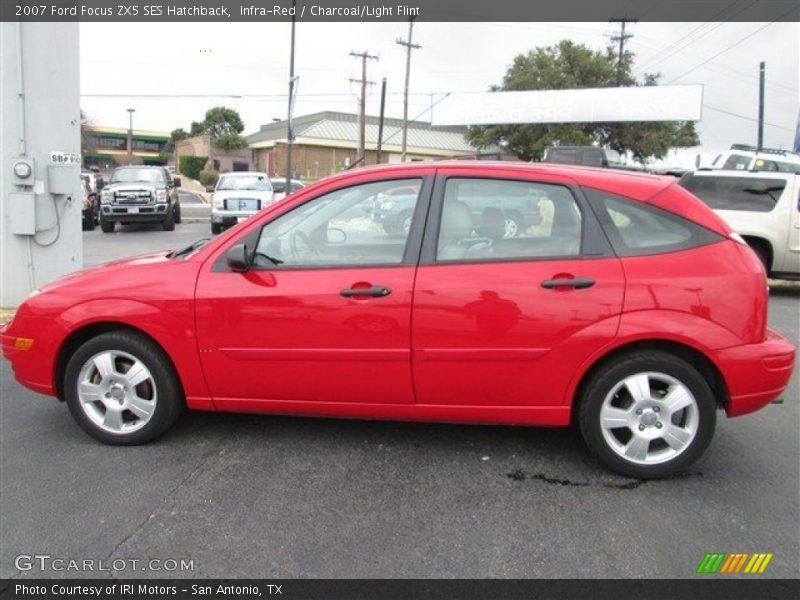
107 226
216 228
170 401
177 213
606 379
88 224
762 252
168 224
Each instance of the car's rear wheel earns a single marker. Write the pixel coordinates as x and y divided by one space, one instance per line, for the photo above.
177 213
647 415
216 228
121 389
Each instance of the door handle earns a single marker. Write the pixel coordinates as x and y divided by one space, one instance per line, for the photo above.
376 291
576 282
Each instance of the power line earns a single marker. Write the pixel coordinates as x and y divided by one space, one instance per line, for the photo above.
409 45
733 114
724 50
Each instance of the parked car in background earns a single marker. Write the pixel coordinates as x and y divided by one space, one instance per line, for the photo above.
279 186
632 310
762 207
140 195
238 196
749 158
587 156
89 206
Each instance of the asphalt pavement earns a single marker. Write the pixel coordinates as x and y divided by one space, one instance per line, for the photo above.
271 496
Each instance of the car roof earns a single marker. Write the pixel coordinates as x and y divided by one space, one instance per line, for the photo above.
632 184
238 173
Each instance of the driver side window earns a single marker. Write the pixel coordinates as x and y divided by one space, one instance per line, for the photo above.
365 224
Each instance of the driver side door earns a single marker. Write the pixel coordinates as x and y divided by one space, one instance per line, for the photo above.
323 314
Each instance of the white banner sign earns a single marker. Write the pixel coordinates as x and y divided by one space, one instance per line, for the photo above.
594 105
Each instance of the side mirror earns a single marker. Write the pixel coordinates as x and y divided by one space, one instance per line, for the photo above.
334 235
176 181
237 258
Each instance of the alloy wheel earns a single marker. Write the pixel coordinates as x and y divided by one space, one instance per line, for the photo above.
117 391
649 418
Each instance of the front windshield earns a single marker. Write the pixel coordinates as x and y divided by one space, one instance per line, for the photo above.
255 183
137 175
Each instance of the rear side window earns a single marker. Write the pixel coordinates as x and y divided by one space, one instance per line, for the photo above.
755 194
636 229
737 162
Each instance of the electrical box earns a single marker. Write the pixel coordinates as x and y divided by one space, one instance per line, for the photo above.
62 180
21 212
22 172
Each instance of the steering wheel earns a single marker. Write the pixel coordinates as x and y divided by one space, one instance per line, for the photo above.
296 238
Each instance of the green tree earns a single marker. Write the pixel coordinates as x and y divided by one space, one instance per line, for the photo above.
567 65
197 128
178 134
221 120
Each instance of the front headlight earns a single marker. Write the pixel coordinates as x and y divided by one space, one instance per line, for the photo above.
161 195
106 196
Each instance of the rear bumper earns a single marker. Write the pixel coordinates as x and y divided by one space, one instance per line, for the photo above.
756 374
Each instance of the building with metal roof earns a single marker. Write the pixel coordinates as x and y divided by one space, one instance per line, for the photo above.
327 142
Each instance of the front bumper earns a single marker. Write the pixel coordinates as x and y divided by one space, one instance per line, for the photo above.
230 217
756 374
141 212
29 364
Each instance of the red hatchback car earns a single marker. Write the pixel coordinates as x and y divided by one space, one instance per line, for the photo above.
629 307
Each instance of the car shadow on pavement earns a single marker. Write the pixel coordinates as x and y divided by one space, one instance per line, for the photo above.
520 455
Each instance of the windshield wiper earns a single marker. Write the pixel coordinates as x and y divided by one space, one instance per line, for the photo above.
189 249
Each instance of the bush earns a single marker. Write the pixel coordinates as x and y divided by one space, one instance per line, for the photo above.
208 178
192 165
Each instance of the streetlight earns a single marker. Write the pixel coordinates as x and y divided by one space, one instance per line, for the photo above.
130 135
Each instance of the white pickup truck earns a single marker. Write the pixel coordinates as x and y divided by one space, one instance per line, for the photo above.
762 207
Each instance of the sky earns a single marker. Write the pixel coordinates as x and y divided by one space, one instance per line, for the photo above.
206 64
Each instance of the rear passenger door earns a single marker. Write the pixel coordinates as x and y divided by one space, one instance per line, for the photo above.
504 320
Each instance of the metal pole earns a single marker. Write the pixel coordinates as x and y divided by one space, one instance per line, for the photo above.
289 131
379 152
130 135
761 80
410 45
362 123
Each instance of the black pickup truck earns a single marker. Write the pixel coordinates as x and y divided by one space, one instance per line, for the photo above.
140 195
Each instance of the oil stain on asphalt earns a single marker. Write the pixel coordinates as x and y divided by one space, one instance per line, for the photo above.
522 475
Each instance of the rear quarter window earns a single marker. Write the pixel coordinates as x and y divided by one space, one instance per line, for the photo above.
636 229
754 194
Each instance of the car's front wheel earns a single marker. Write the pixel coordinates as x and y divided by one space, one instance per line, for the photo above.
648 414
106 226
121 389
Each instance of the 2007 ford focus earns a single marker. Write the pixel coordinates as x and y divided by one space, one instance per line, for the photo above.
626 305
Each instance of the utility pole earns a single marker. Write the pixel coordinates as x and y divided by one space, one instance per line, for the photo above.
410 45
379 152
289 128
362 116
130 135
622 37
761 80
